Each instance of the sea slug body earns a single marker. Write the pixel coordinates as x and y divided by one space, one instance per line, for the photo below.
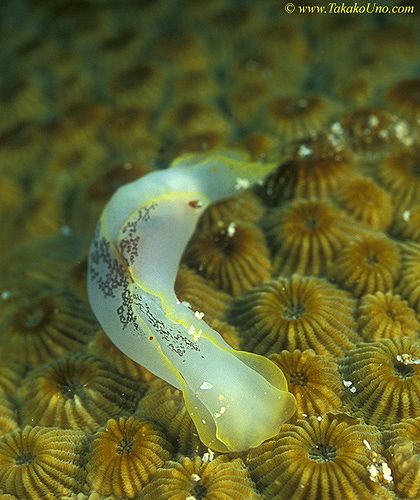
236 399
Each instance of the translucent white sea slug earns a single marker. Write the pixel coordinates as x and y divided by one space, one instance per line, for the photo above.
235 398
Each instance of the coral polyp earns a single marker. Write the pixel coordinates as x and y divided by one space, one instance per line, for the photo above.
36 462
315 458
316 169
306 235
313 379
232 255
295 313
382 381
127 447
367 265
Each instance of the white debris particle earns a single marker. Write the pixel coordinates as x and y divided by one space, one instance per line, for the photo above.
406 215
336 128
199 315
373 121
347 383
190 498
195 477
352 390
380 471
373 473
241 184
6 294
408 359
231 229
304 151
208 456
206 385
367 444
402 133
221 397
304 415
203 421
319 420
219 413
194 334
386 472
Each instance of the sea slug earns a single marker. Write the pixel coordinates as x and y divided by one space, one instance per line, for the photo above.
236 399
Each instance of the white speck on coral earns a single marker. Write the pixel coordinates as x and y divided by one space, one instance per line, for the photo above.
406 215
379 471
387 473
373 473
336 128
373 121
408 359
402 133
231 229
208 456
367 444
195 477
206 385
347 383
304 151
6 294
352 390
